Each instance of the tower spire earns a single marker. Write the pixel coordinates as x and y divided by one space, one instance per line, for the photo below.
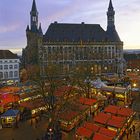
34 6
34 17
110 16
110 5
40 30
111 31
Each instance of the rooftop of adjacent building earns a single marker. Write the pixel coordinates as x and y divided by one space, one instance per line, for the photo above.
6 54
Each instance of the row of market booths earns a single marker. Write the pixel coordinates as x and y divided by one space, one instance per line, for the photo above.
107 125
77 112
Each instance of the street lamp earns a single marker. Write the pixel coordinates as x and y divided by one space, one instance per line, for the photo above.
134 85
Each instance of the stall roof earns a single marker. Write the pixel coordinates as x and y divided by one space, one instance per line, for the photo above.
98 136
91 126
87 101
69 115
126 112
82 131
111 109
116 121
33 104
114 89
107 132
102 118
10 113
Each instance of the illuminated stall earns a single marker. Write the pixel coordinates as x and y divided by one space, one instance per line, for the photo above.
92 103
69 119
120 93
121 119
10 118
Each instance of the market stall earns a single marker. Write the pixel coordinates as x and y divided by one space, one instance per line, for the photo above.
69 119
92 103
10 118
120 93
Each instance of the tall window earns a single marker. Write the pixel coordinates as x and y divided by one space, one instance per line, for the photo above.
15 74
1 67
15 66
10 66
11 74
1 75
5 67
6 75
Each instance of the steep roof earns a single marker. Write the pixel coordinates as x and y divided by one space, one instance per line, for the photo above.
113 35
6 54
64 32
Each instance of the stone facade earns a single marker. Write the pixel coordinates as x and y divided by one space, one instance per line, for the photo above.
71 45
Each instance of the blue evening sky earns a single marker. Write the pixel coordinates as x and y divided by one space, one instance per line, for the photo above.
15 15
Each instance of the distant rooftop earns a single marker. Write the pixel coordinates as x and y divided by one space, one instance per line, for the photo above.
6 54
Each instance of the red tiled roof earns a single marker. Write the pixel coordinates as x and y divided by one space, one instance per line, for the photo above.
91 126
82 131
107 132
116 121
111 109
98 136
102 118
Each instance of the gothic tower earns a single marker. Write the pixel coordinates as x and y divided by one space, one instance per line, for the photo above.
34 38
111 31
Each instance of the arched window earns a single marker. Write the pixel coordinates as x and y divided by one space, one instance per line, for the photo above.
1 75
11 74
6 75
15 74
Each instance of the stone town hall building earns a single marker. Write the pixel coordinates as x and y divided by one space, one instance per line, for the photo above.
70 45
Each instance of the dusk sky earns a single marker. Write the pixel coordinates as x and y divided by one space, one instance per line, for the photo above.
15 15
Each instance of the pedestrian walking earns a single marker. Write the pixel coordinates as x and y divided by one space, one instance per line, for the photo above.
127 134
139 135
133 128
130 131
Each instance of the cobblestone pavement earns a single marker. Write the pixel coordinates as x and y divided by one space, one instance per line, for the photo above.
25 131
